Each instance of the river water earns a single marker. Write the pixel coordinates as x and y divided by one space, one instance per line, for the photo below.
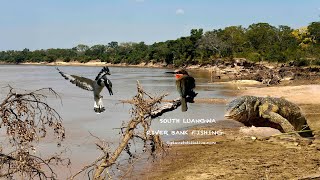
76 108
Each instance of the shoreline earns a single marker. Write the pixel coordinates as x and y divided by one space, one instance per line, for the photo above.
94 64
101 64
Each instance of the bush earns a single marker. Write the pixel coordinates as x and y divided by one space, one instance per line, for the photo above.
254 57
316 62
178 62
302 62
276 57
67 59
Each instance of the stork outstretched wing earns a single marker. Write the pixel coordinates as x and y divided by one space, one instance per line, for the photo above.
79 81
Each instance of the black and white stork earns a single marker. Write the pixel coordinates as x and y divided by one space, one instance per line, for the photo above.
92 85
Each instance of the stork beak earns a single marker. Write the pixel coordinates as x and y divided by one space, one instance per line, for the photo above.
106 69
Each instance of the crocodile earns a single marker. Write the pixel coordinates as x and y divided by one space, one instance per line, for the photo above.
277 113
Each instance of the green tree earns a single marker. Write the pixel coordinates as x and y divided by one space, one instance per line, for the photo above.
195 36
235 37
262 37
113 44
81 48
212 43
96 51
138 54
160 52
314 30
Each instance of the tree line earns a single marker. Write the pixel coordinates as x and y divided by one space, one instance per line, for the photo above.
257 42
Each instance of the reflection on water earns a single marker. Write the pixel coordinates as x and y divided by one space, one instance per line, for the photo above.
77 104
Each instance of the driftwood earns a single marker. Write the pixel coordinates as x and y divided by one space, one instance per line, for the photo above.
145 108
165 108
269 75
168 107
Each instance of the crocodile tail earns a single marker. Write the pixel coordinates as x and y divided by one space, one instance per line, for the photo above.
184 106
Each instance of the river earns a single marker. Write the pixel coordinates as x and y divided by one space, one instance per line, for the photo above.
76 108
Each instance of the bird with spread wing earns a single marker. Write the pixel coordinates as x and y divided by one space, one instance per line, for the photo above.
95 85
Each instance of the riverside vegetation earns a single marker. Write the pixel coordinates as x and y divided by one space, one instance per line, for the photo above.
257 42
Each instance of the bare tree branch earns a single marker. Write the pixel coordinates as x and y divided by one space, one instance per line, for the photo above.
26 118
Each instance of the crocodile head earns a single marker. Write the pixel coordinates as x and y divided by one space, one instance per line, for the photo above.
239 109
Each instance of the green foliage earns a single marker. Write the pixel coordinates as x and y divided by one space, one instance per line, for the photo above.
258 42
314 30
178 63
302 62
261 37
254 57
235 37
316 62
213 44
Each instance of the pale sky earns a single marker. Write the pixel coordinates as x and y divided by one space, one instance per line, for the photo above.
43 24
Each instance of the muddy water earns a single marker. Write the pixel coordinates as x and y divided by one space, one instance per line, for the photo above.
76 108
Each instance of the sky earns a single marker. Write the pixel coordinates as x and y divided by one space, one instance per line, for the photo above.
44 24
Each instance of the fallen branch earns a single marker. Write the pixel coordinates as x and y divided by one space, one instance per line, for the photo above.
166 108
